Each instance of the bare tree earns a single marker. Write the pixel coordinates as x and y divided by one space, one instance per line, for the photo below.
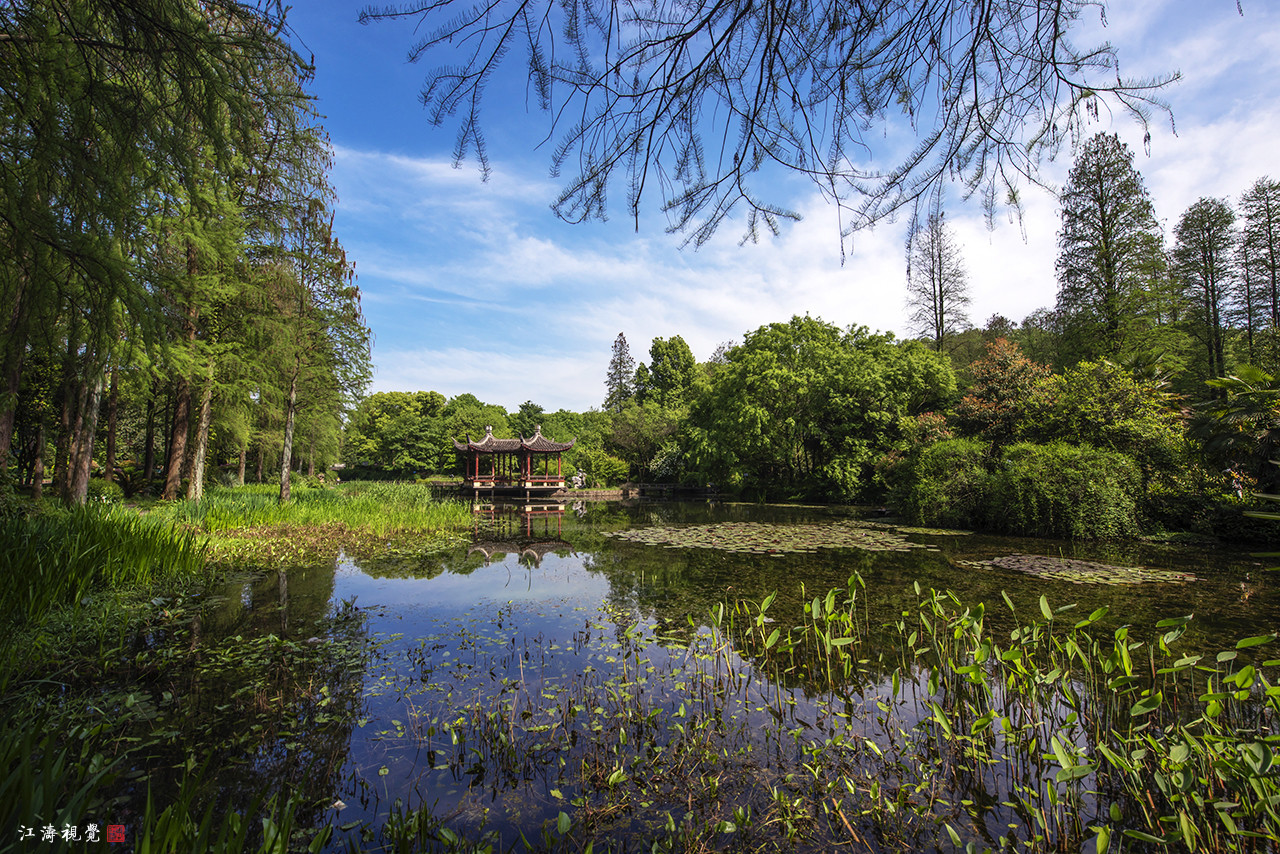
937 287
698 97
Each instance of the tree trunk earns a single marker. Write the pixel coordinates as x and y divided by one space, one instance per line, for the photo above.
311 457
113 410
37 464
287 453
149 454
195 484
82 446
177 441
244 452
12 357
262 462
62 448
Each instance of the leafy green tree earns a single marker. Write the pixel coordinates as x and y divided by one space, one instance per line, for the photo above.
1109 252
465 415
1203 263
526 420
937 286
805 408
399 432
669 375
1102 405
639 431
694 99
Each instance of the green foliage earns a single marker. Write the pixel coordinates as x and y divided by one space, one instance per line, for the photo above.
1061 490
55 559
104 492
945 484
667 379
1103 405
1110 258
1241 428
804 408
603 469
639 432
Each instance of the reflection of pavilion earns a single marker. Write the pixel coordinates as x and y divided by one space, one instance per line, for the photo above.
520 529
512 466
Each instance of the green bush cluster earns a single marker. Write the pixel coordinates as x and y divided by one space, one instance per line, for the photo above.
1049 490
104 492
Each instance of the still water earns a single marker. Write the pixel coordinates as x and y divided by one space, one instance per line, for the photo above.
560 680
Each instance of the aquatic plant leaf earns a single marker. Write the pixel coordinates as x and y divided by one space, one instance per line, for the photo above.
775 540
1078 571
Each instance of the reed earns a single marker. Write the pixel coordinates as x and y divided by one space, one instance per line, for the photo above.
56 559
381 509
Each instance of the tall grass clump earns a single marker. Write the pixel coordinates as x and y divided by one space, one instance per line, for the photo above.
55 559
375 507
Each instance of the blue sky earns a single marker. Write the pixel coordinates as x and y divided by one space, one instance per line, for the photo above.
478 287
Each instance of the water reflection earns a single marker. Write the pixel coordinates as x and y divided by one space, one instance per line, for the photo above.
531 666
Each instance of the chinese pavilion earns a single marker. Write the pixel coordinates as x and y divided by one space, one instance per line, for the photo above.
512 465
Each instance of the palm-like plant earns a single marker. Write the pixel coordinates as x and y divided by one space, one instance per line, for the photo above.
1242 428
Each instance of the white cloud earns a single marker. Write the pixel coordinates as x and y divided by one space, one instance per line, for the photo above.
476 287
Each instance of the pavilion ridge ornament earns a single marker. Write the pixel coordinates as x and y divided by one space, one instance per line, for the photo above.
512 466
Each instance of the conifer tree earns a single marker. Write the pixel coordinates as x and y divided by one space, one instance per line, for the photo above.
618 381
1109 252
1260 254
1204 267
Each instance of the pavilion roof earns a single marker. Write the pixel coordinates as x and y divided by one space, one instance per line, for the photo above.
537 443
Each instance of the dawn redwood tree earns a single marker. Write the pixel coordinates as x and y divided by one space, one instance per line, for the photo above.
1109 251
937 286
694 99
618 382
1260 253
108 106
1204 266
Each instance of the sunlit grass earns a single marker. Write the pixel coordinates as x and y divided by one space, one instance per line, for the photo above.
57 558
381 509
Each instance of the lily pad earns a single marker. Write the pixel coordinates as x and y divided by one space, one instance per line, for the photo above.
1080 571
772 539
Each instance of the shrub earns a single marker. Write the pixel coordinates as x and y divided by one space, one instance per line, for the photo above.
104 491
603 469
943 484
1061 490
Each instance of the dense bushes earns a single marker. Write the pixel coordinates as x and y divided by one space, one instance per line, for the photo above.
945 484
1053 490
1061 490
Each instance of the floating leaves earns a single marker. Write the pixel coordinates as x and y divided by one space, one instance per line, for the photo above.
772 539
1080 571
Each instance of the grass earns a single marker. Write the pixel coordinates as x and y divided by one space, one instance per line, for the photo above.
249 525
57 558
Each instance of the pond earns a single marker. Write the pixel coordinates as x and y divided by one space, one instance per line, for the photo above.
676 674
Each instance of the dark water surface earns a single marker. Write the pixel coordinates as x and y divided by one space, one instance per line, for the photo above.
553 668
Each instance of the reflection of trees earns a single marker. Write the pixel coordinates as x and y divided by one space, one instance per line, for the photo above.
264 699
